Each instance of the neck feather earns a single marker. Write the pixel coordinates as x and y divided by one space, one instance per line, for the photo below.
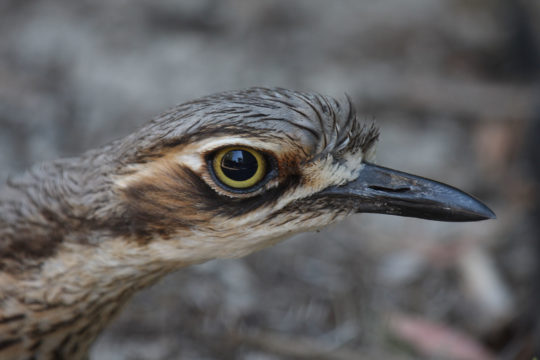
56 292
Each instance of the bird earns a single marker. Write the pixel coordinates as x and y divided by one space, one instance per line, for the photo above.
217 177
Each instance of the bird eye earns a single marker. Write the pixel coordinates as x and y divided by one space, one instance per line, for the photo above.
239 167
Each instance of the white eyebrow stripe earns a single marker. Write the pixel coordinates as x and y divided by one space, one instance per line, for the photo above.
193 161
213 144
192 156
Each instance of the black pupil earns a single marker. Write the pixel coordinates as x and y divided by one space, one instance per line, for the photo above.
239 165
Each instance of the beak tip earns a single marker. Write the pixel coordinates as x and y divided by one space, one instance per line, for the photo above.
482 212
490 215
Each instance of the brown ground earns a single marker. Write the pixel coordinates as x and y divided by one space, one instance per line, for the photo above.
453 86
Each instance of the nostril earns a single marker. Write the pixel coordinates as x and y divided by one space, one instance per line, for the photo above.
390 190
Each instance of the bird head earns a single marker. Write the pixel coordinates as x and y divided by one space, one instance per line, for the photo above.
217 177
232 173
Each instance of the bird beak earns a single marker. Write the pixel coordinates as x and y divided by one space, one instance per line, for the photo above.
385 191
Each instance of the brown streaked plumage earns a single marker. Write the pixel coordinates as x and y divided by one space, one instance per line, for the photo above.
79 236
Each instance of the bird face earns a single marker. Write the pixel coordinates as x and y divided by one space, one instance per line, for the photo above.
239 171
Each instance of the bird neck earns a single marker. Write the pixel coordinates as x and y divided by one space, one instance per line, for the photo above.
65 201
64 271
59 310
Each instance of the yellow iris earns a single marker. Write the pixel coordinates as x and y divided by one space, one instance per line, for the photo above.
239 167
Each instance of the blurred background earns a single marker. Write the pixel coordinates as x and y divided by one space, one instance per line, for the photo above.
452 84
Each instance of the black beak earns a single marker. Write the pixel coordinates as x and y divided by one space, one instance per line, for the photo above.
381 190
